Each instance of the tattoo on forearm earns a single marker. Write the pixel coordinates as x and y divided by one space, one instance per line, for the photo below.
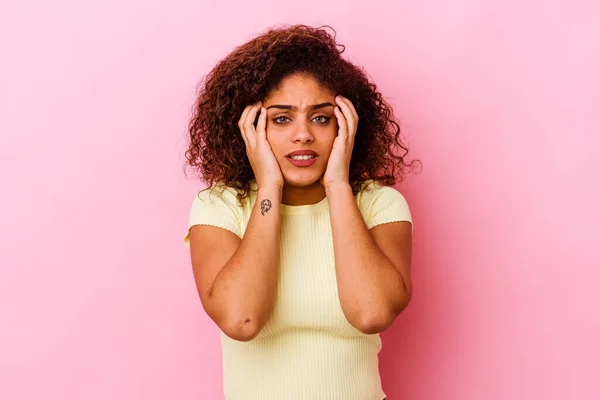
265 206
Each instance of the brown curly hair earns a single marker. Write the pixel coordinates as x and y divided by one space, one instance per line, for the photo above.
250 72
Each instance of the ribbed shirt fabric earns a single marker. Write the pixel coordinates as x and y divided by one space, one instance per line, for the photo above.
307 350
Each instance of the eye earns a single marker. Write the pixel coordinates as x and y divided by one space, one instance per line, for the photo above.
321 119
281 120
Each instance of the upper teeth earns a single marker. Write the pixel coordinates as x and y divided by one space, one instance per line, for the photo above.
302 157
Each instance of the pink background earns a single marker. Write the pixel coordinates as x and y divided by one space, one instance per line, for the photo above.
499 99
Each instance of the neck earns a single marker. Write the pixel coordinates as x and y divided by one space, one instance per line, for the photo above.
304 195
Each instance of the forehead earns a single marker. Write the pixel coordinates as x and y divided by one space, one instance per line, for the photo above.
299 89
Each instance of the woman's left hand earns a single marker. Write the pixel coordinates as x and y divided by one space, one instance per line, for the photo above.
338 166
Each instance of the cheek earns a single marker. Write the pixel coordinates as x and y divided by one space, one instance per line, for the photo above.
274 142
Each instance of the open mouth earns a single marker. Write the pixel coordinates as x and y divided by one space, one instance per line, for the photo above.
302 158
307 157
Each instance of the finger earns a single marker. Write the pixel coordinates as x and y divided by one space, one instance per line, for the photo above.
248 125
351 122
261 127
243 116
355 114
244 138
353 109
241 126
343 125
351 106
350 114
250 118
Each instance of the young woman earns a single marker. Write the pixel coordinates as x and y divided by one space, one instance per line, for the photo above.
300 248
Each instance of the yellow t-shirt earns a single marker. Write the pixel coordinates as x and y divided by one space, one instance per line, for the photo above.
307 350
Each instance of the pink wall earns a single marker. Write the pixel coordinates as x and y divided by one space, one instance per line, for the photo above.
499 99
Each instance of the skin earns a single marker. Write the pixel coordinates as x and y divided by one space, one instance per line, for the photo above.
236 278
293 124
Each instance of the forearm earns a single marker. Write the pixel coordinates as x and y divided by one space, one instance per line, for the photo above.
244 289
372 291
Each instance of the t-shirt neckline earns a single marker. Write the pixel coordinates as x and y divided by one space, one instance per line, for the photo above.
305 209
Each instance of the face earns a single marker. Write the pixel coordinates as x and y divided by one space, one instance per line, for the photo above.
301 128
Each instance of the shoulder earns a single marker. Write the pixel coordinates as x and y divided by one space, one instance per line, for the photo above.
220 206
226 196
382 204
218 194
374 192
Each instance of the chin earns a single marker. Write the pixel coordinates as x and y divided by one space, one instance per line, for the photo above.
305 180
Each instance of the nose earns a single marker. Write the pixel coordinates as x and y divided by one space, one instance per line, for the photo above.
303 134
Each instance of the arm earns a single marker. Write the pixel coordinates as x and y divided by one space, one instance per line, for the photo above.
372 267
236 279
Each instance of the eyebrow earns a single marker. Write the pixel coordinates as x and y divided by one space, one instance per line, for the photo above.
288 107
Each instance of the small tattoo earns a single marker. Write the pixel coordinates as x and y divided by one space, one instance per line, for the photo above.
265 206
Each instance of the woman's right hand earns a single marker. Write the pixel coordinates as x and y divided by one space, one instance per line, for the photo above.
264 164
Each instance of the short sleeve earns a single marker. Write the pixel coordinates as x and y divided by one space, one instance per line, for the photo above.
215 207
383 204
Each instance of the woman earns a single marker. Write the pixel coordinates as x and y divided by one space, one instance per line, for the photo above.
300 248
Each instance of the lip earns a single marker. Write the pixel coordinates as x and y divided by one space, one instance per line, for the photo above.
302 153
302 163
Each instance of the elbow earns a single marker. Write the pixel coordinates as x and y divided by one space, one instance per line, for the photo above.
370 323
234 324
242 330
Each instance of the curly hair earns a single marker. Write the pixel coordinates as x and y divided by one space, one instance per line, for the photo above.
251 71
